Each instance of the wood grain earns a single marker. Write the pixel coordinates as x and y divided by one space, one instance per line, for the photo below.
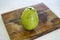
48 22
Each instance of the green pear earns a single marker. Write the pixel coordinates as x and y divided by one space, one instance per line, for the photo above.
29 18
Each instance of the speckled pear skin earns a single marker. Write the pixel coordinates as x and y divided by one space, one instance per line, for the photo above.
48 22
29 16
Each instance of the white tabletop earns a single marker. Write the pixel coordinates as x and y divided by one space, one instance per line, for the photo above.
9 5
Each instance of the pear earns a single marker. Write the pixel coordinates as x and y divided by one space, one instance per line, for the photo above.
29 18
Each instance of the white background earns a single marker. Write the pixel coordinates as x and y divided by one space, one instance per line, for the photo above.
9 5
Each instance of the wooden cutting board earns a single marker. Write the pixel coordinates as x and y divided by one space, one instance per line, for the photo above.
48 22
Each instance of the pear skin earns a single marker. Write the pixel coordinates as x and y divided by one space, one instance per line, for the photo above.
29 18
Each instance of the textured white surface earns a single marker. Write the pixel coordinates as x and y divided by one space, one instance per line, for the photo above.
9 5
